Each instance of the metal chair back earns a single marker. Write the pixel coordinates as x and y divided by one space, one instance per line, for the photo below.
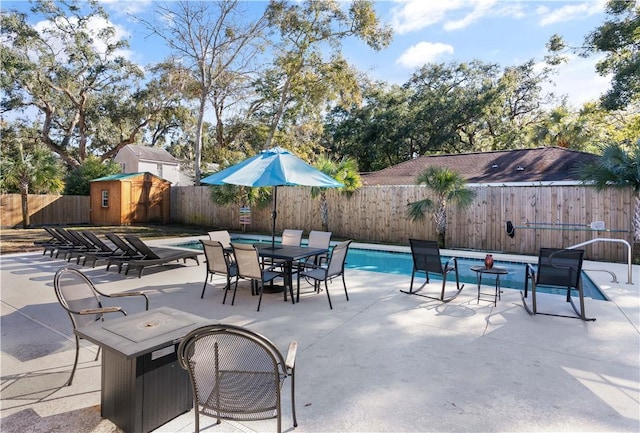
236 374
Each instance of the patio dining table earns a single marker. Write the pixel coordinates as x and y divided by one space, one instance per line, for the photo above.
289 254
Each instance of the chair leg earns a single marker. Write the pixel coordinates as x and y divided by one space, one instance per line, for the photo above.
205 285
344 283
293 398
261 289
326 288
75 362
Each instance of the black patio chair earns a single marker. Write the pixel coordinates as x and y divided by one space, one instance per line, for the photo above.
427 259
236 374
82 301
557 268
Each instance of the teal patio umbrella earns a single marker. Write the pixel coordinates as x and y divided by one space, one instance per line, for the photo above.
273 167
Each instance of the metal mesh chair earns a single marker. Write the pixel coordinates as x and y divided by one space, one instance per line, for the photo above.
559 268
218 263
426 258
236 374
82 301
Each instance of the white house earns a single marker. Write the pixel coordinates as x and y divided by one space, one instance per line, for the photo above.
134 158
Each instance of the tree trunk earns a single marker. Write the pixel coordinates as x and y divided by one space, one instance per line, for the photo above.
198 149
24 196
441 224
324 211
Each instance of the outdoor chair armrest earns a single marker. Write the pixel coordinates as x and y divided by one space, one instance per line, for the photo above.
290 362
125 294
448 266
102 310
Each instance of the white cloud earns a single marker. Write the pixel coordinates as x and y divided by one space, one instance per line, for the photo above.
481 8
414 15
570 12
423 52
94 26
579 81
126 7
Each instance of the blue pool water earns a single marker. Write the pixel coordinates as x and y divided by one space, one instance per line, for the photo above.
400 263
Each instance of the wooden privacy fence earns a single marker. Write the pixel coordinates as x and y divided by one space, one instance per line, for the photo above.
543 216
44 209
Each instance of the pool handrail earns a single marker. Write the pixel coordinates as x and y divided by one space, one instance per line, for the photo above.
629 267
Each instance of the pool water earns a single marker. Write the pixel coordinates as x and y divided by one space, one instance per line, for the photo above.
400 263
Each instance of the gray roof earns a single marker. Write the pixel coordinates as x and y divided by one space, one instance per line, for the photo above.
544 164
147 153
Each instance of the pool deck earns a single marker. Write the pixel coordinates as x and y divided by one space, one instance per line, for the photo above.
382 362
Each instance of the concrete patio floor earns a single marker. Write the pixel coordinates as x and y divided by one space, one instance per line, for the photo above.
382 362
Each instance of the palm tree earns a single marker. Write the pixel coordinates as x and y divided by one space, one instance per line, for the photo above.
36 171
617 167
448 186
344 171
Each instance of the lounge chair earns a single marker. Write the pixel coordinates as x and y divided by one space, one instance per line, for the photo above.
103 251
128 252
76 244
335 268
426 258
236 374
558 268
156 256
52 244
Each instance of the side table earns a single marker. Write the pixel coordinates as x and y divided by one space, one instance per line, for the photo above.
497 271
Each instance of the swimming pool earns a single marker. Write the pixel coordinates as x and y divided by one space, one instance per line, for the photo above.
401 263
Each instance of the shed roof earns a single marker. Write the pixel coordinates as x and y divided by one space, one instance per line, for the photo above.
544 164
125 176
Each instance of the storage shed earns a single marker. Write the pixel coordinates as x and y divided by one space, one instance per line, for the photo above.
130 198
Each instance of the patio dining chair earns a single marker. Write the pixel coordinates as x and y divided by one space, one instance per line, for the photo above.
221 236
218 262
427 259
334 268
83 302
237 374
251 268
291 237
560 269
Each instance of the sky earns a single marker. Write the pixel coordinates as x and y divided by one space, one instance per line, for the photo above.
506 32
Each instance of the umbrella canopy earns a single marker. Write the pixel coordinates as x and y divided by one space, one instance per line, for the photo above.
273 167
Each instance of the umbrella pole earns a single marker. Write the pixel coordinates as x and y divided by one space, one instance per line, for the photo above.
274 215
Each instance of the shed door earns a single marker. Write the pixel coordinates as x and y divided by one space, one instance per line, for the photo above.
140 197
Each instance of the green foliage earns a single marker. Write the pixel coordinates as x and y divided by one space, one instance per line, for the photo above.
619 39
617 167
346 172
78 180
309 70
26 166
448 187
